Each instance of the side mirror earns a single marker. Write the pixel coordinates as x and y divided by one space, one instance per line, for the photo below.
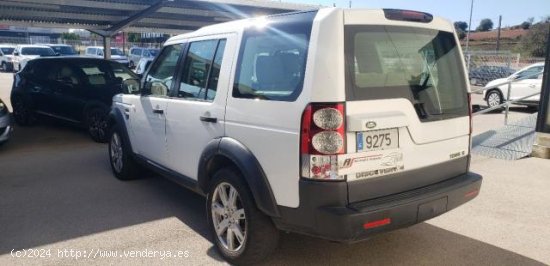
131 86
57 54
16 53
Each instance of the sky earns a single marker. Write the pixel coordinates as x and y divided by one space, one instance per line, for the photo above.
513 12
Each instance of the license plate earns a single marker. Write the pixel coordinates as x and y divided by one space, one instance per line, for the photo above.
384 139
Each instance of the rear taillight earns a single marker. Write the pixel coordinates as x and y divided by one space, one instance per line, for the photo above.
322 138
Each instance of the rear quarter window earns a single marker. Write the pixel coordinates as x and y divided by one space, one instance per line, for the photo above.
272 59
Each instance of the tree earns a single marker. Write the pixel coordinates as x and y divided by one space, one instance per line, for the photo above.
486 24
534 42
461 27
69 36
525 25
134 37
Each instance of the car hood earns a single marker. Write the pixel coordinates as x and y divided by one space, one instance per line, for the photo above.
28 57
119 57
496 82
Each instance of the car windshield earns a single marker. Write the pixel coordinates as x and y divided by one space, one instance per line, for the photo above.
41 51
153 52
64 50
102 73
121 71
116 51
421 65
7 50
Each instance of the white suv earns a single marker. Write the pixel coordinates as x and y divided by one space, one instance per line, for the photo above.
334 123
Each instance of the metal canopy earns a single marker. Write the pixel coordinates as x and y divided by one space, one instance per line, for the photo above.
106 17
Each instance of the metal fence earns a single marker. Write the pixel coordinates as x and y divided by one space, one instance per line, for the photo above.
79 45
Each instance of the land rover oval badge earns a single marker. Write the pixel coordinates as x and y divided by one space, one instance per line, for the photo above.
370 124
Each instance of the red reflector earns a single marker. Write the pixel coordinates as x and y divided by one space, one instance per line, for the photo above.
377 223
472 193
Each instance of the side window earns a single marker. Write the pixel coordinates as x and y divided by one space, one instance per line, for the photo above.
159 78
42 70
530 72
68 75
201 70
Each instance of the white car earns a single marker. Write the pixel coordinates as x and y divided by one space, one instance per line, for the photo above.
524 82
24 53
335 123
136 54
6 57
116 54
142 66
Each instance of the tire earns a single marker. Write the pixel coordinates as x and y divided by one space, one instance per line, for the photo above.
22 112
96 123
4 67
131 65
120 156
494 98
259 236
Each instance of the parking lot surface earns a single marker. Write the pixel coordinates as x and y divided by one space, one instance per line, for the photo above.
57 194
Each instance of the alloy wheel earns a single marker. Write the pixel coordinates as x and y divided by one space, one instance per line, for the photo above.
229 217
97 125
116 152
493 99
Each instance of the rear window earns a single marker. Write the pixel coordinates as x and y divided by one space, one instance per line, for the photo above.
41 51
7 50
64 50
421 65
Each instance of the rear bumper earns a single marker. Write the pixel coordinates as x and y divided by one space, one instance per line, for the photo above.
324 211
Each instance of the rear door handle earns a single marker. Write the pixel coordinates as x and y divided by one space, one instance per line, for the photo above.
532 86
158 111
208 119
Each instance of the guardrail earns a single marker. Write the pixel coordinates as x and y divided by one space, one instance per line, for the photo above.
508 102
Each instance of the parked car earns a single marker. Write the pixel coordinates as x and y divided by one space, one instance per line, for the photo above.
23 53
138 53
483 74
6 57
524 82
63 49
143 65
116 54
341 142
6 126
74 89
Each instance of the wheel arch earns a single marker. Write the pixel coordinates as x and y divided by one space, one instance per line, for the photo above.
228 152
115 117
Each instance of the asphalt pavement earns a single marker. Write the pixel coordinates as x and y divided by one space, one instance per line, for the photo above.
58 196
